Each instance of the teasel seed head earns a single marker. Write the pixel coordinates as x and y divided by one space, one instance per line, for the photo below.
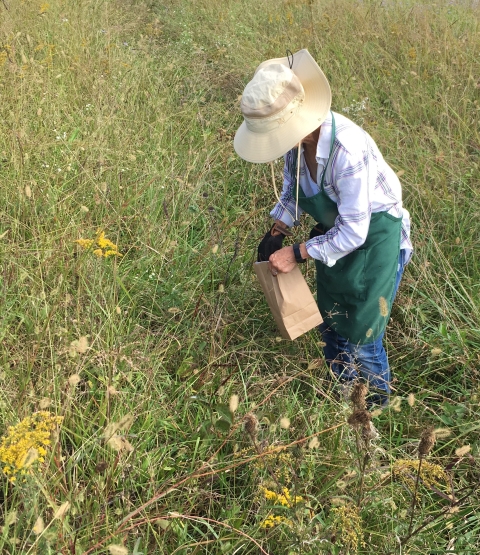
357 397
427 441
251 425
359 419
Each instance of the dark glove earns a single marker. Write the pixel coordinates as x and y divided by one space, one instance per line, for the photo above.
271 243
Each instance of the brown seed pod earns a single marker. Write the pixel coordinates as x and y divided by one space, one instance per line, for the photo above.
357 397
427 441
360 419
251 425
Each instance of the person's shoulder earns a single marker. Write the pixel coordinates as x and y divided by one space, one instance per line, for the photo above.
349 135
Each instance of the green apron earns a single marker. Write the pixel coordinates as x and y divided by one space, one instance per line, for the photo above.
355 295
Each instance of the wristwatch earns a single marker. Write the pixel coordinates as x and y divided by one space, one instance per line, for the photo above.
297 254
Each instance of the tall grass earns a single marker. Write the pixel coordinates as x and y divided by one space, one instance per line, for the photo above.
119 117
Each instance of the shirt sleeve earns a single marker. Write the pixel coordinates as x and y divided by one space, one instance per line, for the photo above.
286 209
353 177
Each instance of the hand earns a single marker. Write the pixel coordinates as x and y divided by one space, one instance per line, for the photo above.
282 261
272 241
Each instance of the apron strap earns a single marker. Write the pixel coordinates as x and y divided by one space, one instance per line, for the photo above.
332 141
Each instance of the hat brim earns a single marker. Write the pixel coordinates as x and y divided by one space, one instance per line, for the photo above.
266 147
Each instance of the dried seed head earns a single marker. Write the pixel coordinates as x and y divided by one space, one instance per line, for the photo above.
39 526
360 419
442 433
461 451
427 441
62 510
357 397
251 425
233 403
74 380
313 443
383 305
117 549
285 423
395 404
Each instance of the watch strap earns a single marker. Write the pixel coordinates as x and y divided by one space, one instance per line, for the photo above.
297 254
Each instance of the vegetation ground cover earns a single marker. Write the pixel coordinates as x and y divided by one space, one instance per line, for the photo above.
130 310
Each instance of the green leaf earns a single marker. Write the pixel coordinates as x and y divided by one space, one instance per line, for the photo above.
204 430
224 412
163 523
222 425
186 368
136 546
74 134
442 328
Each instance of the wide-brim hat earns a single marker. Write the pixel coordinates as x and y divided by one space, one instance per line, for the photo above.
286 100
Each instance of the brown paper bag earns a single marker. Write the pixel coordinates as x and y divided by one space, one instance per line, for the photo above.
290 300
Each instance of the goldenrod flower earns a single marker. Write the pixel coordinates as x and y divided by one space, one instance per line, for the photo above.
105 243
284 498
273 520
25 443
347 524
430 474
85 243
101 246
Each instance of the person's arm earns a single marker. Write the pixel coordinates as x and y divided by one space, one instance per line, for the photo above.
352 180
353 184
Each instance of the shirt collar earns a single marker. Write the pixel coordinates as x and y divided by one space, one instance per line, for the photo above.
323 145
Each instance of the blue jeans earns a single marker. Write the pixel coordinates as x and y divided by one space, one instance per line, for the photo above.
349 360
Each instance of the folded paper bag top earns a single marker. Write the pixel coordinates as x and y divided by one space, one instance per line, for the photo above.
290 300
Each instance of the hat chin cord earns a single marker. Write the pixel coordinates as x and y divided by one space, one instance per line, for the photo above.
296 221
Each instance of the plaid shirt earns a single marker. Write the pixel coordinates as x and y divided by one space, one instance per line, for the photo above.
358 179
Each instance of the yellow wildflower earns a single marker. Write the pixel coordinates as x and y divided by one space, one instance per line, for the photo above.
85 243
101 246
273 520
24 444
105 243
347 524
430 474
284 498
44 7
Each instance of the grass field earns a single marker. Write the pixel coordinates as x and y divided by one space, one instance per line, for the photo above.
186 424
